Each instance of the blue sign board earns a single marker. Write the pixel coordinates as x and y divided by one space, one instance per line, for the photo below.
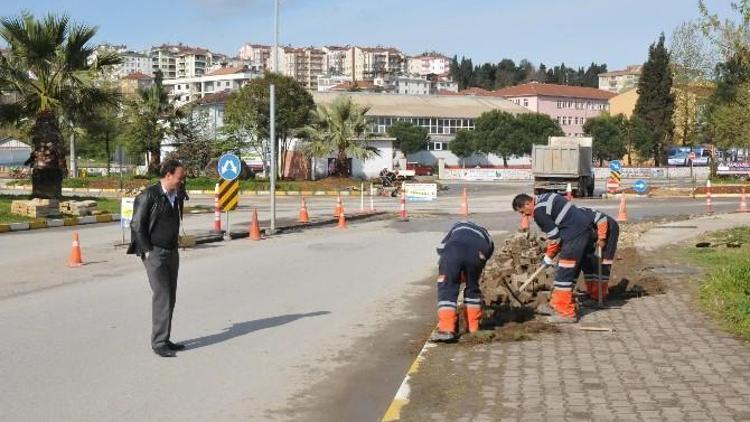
615 166
640 186
229 167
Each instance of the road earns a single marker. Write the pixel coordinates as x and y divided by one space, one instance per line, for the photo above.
315 325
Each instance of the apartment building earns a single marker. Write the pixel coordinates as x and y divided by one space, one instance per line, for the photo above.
302 64
258 55
335 59
365 63
620 81
185 90
132 61
428 64
180 61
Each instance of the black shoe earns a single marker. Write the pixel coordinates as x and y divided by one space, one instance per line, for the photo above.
175 346
164 351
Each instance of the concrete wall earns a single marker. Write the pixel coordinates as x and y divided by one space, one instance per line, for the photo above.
600 174
366 169
431 158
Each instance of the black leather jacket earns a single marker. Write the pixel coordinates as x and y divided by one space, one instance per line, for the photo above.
146 207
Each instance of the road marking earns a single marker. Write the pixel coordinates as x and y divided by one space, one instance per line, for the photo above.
402 395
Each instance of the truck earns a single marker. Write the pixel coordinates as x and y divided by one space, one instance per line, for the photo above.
563 160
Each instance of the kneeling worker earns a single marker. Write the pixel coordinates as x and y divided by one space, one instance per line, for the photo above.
607 232
569 232
463 254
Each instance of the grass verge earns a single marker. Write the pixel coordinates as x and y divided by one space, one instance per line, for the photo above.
725 292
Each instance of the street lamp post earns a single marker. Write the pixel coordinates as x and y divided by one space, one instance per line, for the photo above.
272 131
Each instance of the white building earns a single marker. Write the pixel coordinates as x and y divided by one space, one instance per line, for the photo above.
180 61
334 60
620 81
444 84
132 61
13 153
186 90
365 63
328 82
429 64
302 64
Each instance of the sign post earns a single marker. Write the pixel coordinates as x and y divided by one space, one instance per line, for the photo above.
615 175
126 214
640 187
229 168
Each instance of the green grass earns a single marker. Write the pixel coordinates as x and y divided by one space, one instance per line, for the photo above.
725 292
106 205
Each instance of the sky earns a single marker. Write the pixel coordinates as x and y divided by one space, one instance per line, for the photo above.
576 32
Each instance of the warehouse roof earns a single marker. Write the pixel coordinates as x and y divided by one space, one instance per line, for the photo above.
395 105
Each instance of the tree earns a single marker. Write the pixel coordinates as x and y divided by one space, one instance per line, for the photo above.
729 126
51 75
463 145
248 111
339 128
608 137
655 105
194 145
494 135
409 138
534 129
101 130
148 121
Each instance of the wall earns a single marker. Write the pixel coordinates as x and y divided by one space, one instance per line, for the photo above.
548 106
367 169
431 158
600 174
624 103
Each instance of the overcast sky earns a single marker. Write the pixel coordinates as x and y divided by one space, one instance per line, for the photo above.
549 31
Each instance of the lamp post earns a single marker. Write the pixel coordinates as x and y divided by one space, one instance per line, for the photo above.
272 131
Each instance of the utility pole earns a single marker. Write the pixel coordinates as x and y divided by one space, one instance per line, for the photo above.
272 130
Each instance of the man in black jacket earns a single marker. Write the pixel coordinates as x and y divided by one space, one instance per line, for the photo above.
154 235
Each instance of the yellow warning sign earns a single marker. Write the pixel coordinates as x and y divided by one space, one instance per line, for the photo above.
229 194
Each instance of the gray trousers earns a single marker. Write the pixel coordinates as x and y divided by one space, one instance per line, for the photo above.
161 267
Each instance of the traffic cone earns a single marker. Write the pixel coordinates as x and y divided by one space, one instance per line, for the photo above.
569 192
709 202
342 220
217 211
255 227
403 215
304 217
524 223
464 211
743 202
337 209
622 216
75 259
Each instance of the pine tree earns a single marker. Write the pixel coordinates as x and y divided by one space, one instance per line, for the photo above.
655 104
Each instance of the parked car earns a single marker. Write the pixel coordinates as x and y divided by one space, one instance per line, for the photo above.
679 158
420 169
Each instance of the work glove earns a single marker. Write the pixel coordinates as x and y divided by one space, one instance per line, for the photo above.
548 261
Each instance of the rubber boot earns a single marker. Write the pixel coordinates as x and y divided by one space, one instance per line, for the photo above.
447 322
563 307
473 317
593 300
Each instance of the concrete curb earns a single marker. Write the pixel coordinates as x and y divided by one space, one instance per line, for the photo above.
401 398
313 224
205 192
57 222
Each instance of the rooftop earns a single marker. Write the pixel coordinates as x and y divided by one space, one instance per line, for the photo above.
215 98
451 106
138 76
552 90
230 70
634 69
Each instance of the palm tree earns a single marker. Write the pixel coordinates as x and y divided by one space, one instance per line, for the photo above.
339 128
149 120
50 73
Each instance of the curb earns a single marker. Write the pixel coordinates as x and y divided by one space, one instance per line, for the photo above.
206 192
313 224
401 398
59 222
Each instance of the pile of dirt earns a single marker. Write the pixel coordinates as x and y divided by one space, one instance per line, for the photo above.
511 331
631 277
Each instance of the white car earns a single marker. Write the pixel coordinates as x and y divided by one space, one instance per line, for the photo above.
678 159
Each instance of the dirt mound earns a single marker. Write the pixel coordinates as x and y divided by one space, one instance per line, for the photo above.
630 277
511 331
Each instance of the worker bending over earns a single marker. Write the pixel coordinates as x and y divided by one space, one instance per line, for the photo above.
463 253
607 234
569 233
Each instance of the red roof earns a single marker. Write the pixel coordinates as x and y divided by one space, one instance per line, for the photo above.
230 70
138 76
551 90
215 98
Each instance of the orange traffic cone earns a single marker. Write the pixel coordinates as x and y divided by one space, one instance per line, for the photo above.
569 192
743 202
75 259
304 217
709 202
255 227
403 215
342 220
464 211
622 216
338 208
524 223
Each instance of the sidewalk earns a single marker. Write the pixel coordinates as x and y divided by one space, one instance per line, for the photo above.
665 360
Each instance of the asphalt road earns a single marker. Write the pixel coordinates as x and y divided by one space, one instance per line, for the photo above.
317 325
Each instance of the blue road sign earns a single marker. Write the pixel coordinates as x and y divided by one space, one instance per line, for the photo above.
640 186
229 167
615 165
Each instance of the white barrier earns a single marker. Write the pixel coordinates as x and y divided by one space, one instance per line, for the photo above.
648 173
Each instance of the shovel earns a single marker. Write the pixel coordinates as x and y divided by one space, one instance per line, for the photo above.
531 278
599 280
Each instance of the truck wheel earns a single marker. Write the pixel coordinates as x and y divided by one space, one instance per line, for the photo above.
583 187
591 187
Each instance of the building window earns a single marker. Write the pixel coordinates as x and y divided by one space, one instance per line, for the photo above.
436 146
525 102
559 104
